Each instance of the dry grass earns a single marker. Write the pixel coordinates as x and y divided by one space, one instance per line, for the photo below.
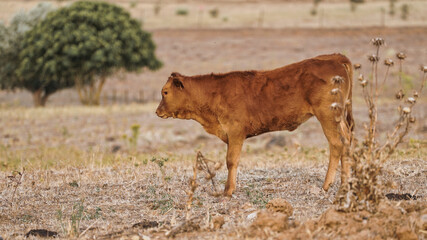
86 173
73 187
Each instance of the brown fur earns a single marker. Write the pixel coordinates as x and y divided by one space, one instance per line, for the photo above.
238 105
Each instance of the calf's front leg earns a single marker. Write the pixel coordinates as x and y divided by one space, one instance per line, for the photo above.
234 148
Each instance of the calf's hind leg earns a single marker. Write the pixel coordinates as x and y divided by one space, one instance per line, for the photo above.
334 134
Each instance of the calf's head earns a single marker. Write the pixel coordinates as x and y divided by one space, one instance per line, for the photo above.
174 98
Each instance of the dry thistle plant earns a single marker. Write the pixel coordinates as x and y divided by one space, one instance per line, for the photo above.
364 189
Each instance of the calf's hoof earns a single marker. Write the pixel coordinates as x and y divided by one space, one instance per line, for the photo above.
326 186
228 192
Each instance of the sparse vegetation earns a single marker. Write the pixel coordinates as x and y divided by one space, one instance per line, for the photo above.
181 12
157 7
392 7
404 11
214 12
74 155
354 3
316 3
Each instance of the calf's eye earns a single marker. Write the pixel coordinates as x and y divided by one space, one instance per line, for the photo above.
165 93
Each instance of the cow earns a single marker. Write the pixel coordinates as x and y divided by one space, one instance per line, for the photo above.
238 105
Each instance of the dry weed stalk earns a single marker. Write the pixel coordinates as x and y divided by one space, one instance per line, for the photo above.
364 190
14 181
190 193
202 164
194 223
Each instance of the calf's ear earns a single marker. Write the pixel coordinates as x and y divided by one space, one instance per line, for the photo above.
178 83
175 74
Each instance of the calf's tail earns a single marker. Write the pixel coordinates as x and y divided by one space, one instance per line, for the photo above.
348 100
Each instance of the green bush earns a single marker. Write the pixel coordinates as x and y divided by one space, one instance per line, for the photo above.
80 45
11 38
214 12
181 12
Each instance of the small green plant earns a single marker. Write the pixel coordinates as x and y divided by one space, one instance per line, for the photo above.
181 12
159 161
164 204
404 11
26 218
407 81
214 12
392 7
133 140
76 218
157 8
133 4
73 184
354 3
65 132
70 226
256 196
313 11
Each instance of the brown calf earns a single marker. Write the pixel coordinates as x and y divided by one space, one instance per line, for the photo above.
238 105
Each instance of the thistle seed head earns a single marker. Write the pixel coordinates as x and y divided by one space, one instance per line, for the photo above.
388 62
337 79
335 91
373 58
364 83
412 119
424 69
378 41
411 100
406 110
335 106
401 55
415 94
357 66
400 94
361 77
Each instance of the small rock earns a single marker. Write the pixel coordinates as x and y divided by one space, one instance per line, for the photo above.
280 205
41 233
276 141
218 221
331 217
115 148
247 206
276 221
405 233
252 216
314 190
146 224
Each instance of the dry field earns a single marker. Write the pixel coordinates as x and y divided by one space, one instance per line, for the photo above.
252 14
80 171
119 172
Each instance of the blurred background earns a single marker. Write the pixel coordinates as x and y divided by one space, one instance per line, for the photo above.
190 37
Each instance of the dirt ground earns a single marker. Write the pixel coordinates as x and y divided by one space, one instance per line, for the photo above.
86 173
